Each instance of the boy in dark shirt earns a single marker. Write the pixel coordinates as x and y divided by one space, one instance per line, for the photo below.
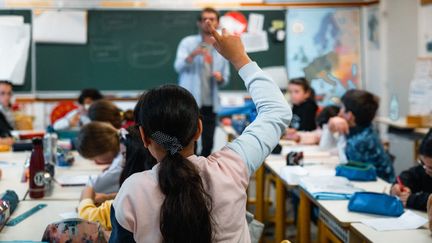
417 180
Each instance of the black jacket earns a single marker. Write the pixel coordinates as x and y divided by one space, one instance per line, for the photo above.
304 116
420 184
5 127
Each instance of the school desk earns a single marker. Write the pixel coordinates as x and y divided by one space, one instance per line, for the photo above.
360 233
33 227
12 165
275 163
335 219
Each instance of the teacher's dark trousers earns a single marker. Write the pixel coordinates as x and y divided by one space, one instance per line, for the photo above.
209 125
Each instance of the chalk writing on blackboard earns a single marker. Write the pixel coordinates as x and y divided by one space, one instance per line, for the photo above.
103 50
148 54
116 22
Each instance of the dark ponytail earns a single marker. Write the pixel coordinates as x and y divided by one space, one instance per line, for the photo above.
169 115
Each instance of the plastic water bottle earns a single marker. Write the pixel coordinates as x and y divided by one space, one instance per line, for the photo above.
50 152
394 108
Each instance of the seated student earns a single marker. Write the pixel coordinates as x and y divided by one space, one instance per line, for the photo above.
105 111
137 159
128 119
314 137
362 142
304 106
186 198
99 141
6 104
417 181
6 116
78 117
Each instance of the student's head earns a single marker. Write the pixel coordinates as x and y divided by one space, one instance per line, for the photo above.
98 141
425 152
88 96
105 111
137 156
169 123
327 113
359 107
299 90
210 14
5 93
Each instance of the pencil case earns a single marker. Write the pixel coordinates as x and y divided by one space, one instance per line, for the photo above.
357 171
376 203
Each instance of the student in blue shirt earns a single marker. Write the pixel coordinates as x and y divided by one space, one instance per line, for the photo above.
201 71
362 142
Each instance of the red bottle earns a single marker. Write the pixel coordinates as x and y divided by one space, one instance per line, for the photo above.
37 170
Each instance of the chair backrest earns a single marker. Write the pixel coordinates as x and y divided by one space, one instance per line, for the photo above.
61 110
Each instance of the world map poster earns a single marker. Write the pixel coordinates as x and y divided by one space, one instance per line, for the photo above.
324 46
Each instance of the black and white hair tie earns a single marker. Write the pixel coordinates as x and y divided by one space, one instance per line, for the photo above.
170 143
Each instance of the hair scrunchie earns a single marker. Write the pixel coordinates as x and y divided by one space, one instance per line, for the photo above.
170 143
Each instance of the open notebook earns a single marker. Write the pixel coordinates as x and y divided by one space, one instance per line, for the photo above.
329 187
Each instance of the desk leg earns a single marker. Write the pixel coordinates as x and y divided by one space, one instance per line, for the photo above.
280 211
259 196
303 219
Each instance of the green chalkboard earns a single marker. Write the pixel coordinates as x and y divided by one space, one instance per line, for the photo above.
27 14
130 50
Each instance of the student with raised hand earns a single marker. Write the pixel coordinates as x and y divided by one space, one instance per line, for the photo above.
416 182
185 198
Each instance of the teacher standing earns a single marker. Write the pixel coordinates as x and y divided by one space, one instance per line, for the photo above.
202 70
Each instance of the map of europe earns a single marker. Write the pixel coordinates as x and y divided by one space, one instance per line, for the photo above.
323 45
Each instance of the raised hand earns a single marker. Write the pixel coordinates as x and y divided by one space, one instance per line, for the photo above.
230 47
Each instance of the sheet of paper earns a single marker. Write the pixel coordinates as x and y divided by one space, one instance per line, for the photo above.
407 221
69 215
14 51
12 20
328 184
255 42
293 174
255 23
61 27
75 180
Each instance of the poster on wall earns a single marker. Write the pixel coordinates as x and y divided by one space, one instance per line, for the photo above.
323 45
425 31
373 28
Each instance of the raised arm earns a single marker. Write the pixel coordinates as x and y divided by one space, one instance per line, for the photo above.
274 114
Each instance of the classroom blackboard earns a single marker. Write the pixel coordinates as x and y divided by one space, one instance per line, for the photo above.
131 50
27 14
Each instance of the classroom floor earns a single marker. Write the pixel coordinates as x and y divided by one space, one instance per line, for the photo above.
269 229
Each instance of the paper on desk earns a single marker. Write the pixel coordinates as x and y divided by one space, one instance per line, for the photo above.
407 221
74 180
293 174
